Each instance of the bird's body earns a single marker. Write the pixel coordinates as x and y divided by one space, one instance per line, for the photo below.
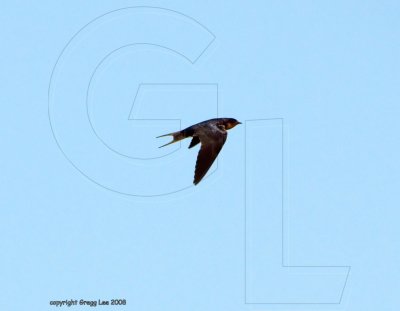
212 135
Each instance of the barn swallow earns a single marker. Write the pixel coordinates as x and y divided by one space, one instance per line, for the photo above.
212 136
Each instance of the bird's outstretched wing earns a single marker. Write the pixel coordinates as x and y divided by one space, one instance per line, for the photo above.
212 139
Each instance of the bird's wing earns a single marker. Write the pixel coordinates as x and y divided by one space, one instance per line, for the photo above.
212 139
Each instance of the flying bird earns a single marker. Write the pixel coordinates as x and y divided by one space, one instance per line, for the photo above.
212 136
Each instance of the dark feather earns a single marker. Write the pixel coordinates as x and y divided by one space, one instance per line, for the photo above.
194 141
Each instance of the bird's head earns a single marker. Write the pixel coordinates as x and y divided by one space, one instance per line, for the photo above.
231 123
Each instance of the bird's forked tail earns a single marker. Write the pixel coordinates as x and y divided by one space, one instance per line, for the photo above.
176 136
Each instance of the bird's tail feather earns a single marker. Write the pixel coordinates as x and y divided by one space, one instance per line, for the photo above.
176 136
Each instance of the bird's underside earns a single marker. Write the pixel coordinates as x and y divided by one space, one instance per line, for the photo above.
211 134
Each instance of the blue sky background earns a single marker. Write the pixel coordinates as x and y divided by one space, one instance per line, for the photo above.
330 70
